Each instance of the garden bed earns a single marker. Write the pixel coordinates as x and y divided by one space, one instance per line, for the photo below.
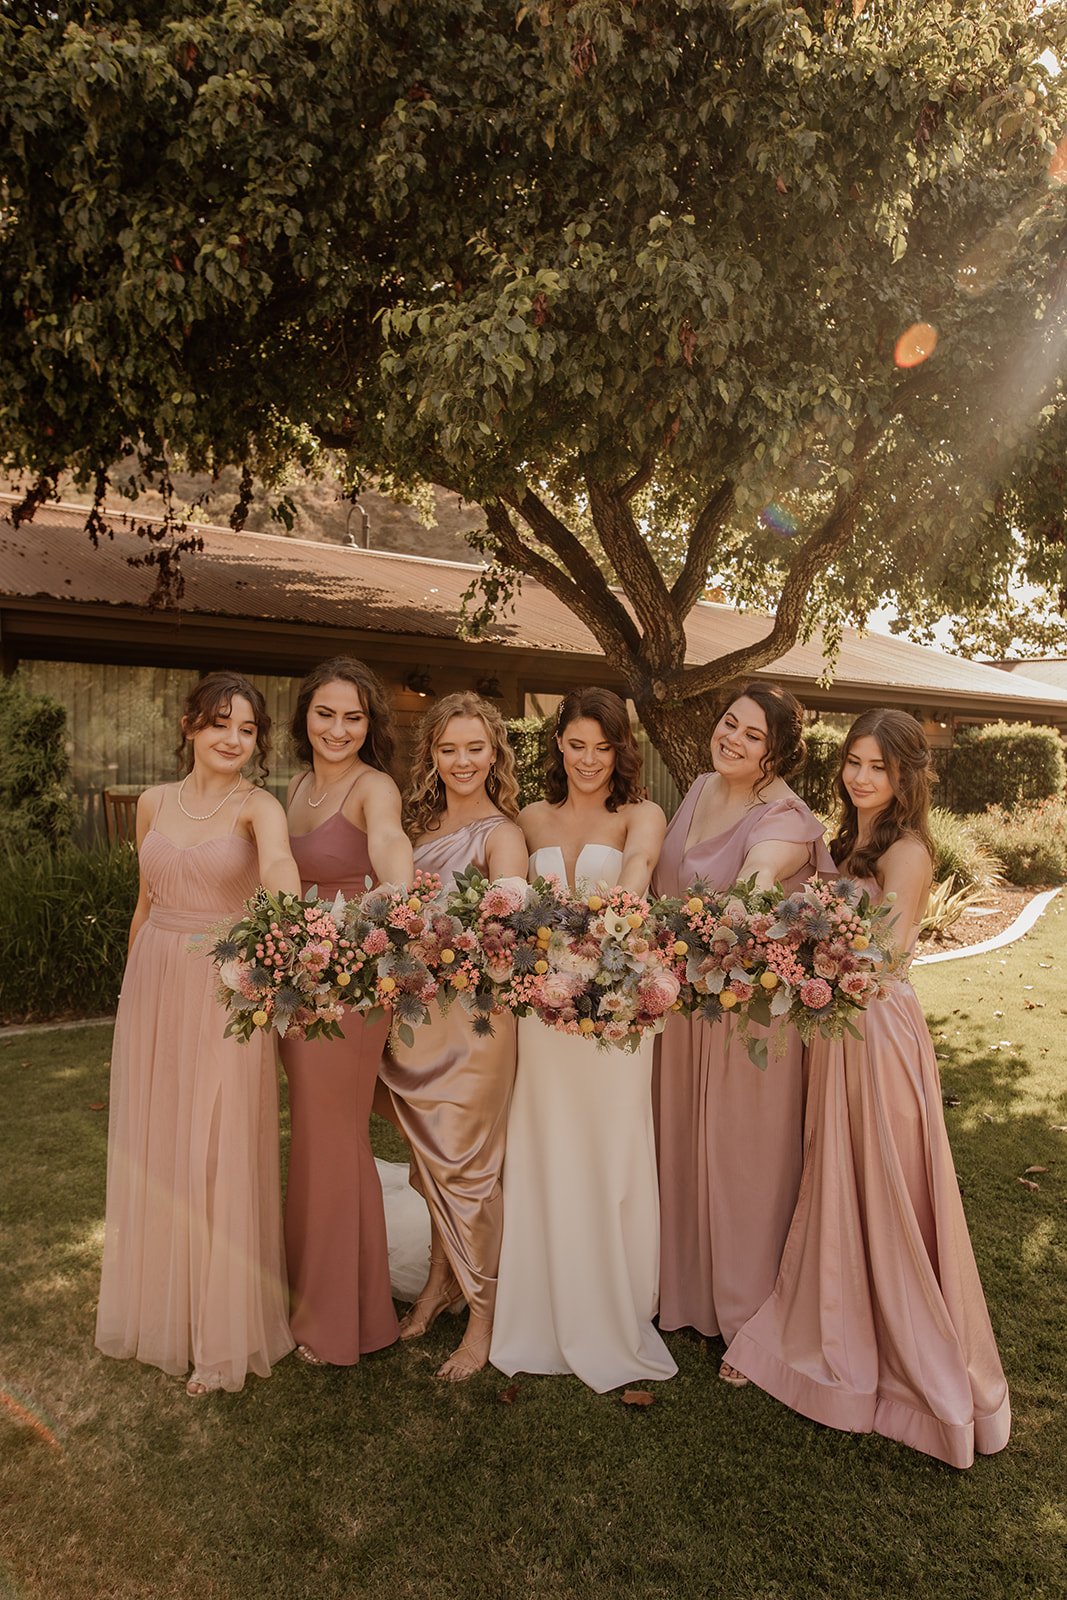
996 913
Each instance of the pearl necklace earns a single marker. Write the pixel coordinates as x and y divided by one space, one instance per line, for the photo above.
314 804
207 814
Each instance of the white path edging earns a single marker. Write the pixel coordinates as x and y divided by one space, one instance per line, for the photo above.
1022 924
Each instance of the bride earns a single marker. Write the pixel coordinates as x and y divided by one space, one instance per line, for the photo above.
579 1262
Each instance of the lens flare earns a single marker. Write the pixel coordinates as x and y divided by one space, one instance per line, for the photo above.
778 520
23 1411
915 345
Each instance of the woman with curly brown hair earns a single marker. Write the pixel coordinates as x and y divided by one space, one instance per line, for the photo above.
579 1259
877 1323
729 1135
451 1087
346 833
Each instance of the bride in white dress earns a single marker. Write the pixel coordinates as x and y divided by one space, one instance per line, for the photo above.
579 1264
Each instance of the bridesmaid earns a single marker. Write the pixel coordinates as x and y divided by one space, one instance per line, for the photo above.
451 1088
345 829
877 1323
729 1135
193 1270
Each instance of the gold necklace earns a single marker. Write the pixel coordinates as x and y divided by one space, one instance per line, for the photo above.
207 814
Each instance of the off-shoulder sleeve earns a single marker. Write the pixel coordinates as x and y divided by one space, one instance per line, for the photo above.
787 820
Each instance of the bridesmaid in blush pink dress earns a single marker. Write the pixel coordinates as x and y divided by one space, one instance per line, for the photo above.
729 1136
335 1240
451 1088
193 1271
878 1323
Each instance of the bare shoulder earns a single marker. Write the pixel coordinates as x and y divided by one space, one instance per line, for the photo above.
262 804
375 783
294 783
533 819
645 815
906 855
509 832
149 799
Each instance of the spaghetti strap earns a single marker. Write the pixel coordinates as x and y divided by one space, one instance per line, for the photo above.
162 796
351 786
240 808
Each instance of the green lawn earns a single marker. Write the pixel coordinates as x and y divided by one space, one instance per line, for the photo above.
380 1482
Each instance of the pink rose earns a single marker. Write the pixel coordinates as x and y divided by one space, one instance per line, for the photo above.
502 898
658 991
824 967
859 986
559 989
614 1032
815 994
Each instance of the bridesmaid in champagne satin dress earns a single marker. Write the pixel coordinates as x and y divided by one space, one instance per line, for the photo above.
193 1270
729 1136
451 1087
878 1323
341 1301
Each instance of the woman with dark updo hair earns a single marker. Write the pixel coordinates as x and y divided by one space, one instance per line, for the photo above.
877 1323
730 1135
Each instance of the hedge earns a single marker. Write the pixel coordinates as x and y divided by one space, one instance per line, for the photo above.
36 795
1004 764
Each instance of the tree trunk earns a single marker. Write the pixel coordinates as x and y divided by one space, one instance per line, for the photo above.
681 732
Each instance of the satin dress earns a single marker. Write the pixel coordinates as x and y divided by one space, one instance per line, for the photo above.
580 1255
451 1089
878 1323
341 1300
193 1269
730 1137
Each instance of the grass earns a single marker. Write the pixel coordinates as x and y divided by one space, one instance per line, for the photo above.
378 1482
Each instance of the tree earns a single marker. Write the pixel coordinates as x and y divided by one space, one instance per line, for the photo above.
766 295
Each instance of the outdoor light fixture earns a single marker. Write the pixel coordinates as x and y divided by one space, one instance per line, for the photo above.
419 682
489 688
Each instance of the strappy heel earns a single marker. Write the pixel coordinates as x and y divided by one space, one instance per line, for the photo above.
431 1302
470 1356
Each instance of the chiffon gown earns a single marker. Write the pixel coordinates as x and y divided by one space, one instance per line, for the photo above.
730 1137
580 1253
193 1269
450 1091
341 1301
877 1323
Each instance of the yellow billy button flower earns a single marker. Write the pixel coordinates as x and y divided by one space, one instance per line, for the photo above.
861 942
587 1025
594 903
414 903
769 980
387 985
728 999
680 947
259 1018
459 980
343 980
694 905
540 967
447 957
635 919
544 935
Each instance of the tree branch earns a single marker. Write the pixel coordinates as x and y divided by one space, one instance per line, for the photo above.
638 573
640 479
691 581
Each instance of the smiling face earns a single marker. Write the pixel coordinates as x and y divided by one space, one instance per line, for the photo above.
739 742
463 755
588 755
228 742
865 775
337 723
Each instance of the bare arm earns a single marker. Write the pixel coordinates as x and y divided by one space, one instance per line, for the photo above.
644 841
389 846
147 804
270 830
505 853
773 860
906 872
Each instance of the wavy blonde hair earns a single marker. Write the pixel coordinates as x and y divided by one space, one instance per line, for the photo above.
424 796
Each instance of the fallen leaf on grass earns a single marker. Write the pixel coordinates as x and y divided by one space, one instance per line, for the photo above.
951 1100
508 1396
1027 1183
97 1105
1035 1169
637 1397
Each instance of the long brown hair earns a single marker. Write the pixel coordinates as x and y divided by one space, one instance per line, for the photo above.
379 747
212 697
425 797
605 707
785 750
910 770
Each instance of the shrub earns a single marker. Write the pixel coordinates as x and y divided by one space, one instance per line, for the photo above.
528 737
946 906
962 853
63 941
36 798
1030 841
1005 764
815 780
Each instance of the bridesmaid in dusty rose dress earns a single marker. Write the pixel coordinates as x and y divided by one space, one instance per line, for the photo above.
346 833
193 1269
877 1322
451 1087
729 1135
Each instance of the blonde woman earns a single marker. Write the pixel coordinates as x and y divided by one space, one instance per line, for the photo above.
451 1088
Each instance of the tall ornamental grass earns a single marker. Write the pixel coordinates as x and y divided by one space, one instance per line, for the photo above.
63 939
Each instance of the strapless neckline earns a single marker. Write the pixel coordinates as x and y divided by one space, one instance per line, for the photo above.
579 875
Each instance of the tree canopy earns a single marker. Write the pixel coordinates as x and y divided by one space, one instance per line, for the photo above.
762 295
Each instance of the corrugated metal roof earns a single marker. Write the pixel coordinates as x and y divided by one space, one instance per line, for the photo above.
265 576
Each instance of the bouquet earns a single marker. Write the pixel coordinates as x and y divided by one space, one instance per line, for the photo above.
388 971
612 973
286 965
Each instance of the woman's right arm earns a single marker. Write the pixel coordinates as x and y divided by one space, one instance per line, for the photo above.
147 805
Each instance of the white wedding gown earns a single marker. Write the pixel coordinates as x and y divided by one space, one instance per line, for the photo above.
579 1262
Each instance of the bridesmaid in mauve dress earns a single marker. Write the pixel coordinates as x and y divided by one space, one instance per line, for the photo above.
878 1323
193 1269
451 1088
730 1136
341 1302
